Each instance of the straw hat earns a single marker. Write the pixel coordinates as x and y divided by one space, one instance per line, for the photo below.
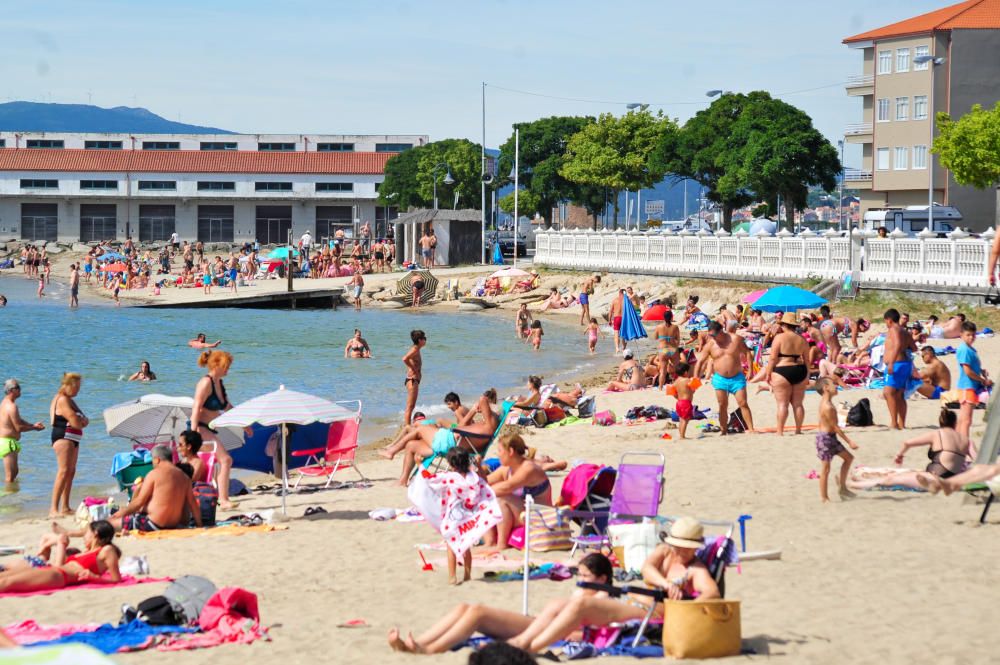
686 532
788 319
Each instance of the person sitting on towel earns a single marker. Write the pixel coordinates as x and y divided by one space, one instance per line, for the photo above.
163 500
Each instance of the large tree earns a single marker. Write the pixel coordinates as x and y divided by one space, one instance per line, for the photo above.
970 146
615 152
410 176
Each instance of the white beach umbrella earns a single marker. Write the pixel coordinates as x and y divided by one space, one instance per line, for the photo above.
510 272
285 407
156 417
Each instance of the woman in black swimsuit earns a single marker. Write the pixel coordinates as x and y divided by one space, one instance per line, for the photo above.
210 400
417 282
787 373
357 347
67 430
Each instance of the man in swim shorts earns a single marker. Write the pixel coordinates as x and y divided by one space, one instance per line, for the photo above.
936 375
898 356
164 499
587 290
615 316
728 352
74 286
11 427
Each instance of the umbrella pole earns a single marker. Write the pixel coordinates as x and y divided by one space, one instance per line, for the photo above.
529 502
284 468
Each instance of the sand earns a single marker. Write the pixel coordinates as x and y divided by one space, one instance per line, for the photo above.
887 577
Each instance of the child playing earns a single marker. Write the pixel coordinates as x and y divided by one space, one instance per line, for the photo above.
683 389
592 332
972 378
460 462
535 337
827 445
206 281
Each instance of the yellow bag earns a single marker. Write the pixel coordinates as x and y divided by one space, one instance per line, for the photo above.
549 531
701 628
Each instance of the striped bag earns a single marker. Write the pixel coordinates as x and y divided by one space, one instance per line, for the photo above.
549 531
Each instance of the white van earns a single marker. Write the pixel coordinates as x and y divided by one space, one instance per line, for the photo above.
911 220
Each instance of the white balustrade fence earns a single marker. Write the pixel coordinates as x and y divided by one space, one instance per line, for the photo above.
925 260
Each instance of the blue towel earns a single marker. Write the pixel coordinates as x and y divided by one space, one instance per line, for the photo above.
110 639
125 460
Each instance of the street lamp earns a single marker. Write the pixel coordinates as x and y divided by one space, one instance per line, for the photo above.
636 105
448 180
717 93
840 190
934 62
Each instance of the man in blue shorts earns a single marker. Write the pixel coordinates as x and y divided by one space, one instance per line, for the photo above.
728 352
898 356
587 290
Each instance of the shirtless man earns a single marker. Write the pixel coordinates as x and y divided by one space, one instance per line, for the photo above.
615 316
74 286
725 316
936 375
587 290
164 499
188 256
414 366
200 343
898 356
727 352
427 243
11 426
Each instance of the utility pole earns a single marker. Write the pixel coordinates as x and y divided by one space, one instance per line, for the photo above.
482 182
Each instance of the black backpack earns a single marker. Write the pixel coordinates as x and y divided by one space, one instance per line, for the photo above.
860 414
180 604
737 424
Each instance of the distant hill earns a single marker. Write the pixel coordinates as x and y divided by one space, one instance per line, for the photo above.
37 117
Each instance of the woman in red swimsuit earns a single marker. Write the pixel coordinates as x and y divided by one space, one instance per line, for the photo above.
100 557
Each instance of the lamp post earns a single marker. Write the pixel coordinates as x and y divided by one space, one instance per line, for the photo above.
448 180
517 164
934 62
840 190
385 221
718 93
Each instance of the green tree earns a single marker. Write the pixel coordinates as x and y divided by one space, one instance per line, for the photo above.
615 152
527 203
410 175
970 146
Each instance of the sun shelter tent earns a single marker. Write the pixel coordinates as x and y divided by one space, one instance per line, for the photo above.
459 236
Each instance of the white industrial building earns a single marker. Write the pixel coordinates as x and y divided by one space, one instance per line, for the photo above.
70 187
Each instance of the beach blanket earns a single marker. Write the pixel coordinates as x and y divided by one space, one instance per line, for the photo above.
134 636
30 632
127 580
461 508
230 530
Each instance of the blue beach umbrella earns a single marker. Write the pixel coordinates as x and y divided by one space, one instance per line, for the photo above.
281 253
111 256
497 255
631 324
787 299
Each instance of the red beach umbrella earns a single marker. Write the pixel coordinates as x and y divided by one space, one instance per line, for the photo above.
115 267
654 313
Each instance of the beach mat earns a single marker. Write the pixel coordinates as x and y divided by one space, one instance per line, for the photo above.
127 580
231 530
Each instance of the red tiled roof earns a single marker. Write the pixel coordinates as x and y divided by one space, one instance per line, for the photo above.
972 14
193 161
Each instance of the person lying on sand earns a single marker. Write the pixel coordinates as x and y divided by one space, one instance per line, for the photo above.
977 473
54 568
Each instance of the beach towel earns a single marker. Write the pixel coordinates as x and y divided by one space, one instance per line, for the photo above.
229 530
133 636
126 580
461 508
30 632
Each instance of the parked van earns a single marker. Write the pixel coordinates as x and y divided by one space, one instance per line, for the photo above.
911 220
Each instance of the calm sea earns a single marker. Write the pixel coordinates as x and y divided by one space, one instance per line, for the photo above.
466 352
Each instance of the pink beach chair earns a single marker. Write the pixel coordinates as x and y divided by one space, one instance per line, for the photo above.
341 446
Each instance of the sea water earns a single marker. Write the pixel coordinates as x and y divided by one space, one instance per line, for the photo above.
301 349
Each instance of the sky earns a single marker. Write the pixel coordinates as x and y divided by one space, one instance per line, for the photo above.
395 66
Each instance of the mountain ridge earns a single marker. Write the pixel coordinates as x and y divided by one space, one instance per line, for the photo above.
23 116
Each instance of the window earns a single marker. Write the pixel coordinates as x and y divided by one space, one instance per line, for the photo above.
334 147
102 145
273 224
885 62
902 108
334 186
920 157
392 147
273 186
99 184
330 219
39 221
31 183
3 143
216 185
882 161
161 145
44 143
902 160
215 223
276 147
883 110
156 223
218 145
902 60
921 51
98 222
159 185
920 107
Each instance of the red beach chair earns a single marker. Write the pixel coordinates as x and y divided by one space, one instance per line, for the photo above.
341 446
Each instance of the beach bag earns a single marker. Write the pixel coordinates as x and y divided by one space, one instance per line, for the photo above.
860 414
548 531
585 406
156 611
208 500
633 543
605 418
188 595
736 425
554 414
701 628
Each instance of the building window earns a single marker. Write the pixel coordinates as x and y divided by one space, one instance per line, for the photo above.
334 186
159 185
901 163
156 223
218 145
39 221
902 108
334 147
276 147
330 219
161 145
216 186
3 143
882 159
32 183
102 145
902 60
99 184
392 147
44 143
272 186
215 223
883 110
920 157
885 62
98 222
921 51
920 107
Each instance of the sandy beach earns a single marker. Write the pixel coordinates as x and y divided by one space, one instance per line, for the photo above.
881 578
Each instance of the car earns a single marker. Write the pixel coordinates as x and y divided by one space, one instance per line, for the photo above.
506 239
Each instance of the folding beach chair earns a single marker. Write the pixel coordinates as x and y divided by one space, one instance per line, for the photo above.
480 442
341 447
587 488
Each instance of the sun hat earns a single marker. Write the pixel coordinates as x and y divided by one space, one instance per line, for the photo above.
788 319
686 532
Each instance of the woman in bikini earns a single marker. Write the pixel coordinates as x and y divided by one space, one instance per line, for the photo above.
210 400
630 375
144 373
516 478
668 337
831 328
68 423
53 569
357 347
527 405
788 373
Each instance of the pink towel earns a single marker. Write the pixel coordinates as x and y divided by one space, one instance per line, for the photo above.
29 632
576 484
127 580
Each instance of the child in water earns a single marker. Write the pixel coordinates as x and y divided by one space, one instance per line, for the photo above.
593 331
535 337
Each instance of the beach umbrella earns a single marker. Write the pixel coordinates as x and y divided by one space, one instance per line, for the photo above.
509 271
405 288
751 298
281 253
655 313
787 299
631 325
285 407
497 255
762 225
155 417
111 256
115 267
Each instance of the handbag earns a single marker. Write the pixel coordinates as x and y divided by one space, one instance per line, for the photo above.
701 628
548 531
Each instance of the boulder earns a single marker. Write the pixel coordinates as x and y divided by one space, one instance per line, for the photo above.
80 248
392 304
470 307
53 248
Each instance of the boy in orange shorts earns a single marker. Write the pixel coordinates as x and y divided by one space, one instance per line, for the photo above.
683 389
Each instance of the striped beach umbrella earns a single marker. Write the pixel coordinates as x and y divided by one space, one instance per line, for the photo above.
404 286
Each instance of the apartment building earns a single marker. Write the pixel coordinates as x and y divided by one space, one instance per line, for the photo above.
946 60
70 187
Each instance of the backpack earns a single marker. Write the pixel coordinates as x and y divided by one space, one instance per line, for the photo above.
860 414
585 406
737 425
208 500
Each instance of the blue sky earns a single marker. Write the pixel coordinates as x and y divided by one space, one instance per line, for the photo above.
393 66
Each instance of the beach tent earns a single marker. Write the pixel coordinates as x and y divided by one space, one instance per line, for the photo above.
631 325
655 313
788 299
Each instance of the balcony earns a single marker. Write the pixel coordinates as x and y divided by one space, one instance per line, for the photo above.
858 178
859 132
860 85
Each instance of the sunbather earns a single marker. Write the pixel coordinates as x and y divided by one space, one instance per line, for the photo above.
35 573
528 405
630 375
978 473
516 477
